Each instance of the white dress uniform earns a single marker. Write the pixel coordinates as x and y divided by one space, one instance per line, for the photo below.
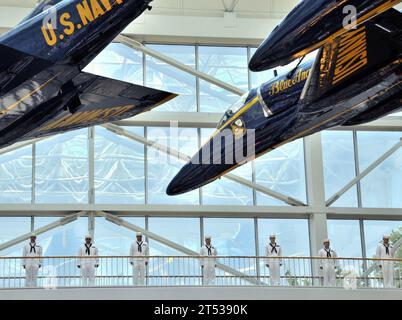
274 265
386 252
88 265
328 266
138 250
31 265
208 264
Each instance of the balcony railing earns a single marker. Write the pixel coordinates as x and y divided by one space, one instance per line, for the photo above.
186 271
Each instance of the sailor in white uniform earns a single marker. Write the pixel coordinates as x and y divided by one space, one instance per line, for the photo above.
272 249
32 261
328 265
139 252
88 265
208 264
385 250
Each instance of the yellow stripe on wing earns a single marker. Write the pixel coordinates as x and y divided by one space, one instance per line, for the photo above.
14 105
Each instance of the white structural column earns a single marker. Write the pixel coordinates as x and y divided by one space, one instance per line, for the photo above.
315 191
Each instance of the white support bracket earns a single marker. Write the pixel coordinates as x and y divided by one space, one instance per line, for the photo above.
181 66
369 169
61 222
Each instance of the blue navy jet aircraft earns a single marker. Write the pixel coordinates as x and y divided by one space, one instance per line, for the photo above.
355 78
43 90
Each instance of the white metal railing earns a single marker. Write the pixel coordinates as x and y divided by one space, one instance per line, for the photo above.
186 271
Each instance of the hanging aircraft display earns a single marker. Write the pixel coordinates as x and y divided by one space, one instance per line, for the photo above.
43 90
355 78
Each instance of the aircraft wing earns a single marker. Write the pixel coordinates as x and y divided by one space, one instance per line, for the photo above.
94 100
353 55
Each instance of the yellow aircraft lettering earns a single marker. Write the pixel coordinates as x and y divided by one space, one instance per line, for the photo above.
107 5
351 62
283 85
96 9
51 39
351 36
361 40
348 72
85 12
64 22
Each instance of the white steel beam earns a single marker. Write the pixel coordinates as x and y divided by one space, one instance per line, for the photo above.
369 169
211 119
120 131
123 223
229 211
177 64
46 228
19 145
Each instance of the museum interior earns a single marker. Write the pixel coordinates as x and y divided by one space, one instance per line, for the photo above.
340 186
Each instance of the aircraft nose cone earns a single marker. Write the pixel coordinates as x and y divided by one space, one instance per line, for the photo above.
256 63
201 170
178 185
190 177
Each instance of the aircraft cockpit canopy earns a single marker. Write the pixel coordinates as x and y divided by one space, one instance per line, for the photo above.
234 108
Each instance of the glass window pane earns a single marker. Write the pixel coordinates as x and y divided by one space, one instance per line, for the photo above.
119 168
11 228
64 240
292 235
381 188
345 237
233 237
162 167
165 77
282 170
40 222
374 231
62 168
12 274
339 166
228 64
120 62
174 271
114 240
16 176
183 231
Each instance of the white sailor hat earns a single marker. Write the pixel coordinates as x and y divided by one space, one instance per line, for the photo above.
272 236
33 234
326 240
88 236
139 234
208 237
386 236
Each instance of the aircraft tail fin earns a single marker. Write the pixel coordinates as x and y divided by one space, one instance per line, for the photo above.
354 54
41 7
92 100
